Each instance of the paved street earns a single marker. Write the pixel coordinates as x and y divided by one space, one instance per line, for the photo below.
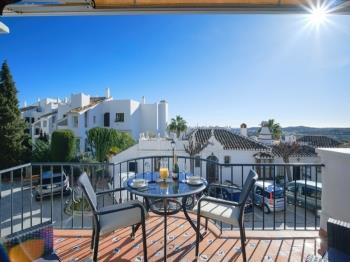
41 211
26 211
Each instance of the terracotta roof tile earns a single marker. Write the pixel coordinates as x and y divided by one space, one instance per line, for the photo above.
227 139
303 151
23 109
93 101
318 141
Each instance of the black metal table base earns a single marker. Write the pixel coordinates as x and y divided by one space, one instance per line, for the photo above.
165 212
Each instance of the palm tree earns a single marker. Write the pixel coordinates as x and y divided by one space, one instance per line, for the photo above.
275 129
177 125
286 150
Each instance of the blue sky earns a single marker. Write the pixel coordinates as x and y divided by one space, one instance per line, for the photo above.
212 69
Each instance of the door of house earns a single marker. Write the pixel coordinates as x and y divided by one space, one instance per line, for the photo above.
106 119
296 173
212 169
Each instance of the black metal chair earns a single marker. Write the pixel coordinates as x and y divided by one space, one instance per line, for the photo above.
112 217
228 212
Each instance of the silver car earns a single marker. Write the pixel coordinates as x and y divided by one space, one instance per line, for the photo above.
52 183
269 196
305 194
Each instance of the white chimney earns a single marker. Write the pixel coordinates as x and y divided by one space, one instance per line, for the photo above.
66 100
143 100
25 103
107 93
243 130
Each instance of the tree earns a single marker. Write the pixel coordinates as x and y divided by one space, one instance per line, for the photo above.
275 129
124 141
107 141
177 125
41 151
286 150
11 125
62 145
193 148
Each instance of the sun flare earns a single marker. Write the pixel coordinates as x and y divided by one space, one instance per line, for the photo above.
318 16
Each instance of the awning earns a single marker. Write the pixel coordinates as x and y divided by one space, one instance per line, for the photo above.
85 7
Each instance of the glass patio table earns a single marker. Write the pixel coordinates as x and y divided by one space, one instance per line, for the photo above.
167 197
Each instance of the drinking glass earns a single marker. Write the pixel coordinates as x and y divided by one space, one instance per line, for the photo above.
163 171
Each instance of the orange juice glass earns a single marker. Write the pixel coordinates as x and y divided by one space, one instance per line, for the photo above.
164 173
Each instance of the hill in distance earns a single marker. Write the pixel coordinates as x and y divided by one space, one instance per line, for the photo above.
341 134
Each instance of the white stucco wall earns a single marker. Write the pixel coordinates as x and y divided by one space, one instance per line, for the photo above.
138 117
79 100
162 147
149 118
162 118
335 184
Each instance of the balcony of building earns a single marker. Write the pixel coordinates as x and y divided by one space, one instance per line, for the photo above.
290 233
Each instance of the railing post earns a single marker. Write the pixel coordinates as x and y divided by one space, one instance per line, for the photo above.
0 204
22 199
11 178
62 196
285 200
72 193
274 197
51 182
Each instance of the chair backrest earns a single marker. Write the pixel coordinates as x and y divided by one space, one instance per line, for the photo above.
247 187
85 184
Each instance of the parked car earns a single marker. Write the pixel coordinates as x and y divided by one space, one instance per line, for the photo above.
268 196
307 194
229 194
60 182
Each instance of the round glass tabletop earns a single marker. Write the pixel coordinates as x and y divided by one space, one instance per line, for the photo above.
157 188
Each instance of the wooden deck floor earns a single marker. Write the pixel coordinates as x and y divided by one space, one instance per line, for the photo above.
74 245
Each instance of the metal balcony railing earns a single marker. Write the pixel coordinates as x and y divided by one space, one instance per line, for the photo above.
30 194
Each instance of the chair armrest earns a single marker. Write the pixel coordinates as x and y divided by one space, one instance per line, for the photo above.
110 191
218 201
224 186
119 208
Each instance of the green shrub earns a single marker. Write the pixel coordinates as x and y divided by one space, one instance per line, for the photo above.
41 151
107 141
62 145
113 151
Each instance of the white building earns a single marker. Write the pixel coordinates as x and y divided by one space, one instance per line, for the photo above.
265 135
225 147
82 112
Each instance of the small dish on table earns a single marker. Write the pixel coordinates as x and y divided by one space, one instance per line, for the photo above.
194 180
138 183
